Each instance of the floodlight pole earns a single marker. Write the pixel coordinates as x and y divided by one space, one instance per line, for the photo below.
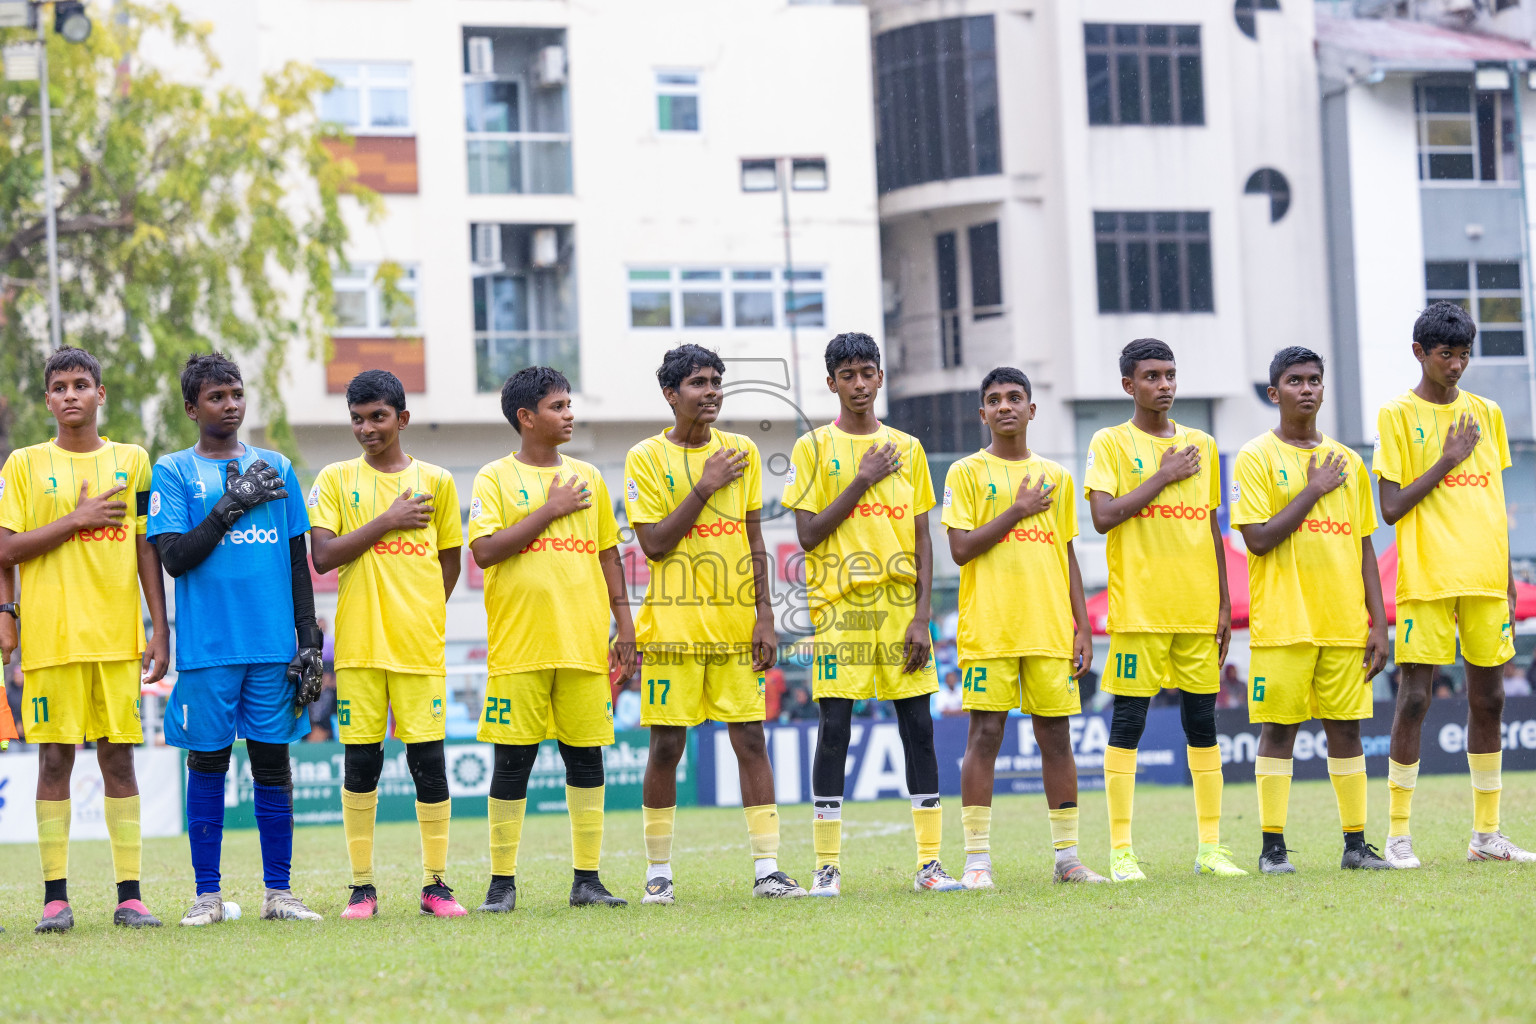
54 327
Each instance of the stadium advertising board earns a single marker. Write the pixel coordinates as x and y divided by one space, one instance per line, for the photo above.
159 771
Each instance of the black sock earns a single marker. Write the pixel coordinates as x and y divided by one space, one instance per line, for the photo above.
57 889
1353 839
504 878
128 891
1273 840
585 876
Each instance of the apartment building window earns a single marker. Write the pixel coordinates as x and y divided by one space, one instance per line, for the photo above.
946 253
936 86
808 174
362 306
677 101
759 175
718 298
1465 134
368 98
1488 289
517 132
523 294
1144 74
1156 262
986 270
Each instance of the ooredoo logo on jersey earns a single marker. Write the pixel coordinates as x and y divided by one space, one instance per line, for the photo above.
252 535
401 546
878 510
1179 511
109 533
1467 480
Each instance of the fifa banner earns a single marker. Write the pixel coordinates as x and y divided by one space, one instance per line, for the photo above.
160 805
318 771
1442 752
877 765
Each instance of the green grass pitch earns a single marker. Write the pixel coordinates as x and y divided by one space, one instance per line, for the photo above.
1447 942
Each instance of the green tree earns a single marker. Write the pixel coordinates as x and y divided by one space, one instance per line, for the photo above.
189 218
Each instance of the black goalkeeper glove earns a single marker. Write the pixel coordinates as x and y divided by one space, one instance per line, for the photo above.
244 491
304 672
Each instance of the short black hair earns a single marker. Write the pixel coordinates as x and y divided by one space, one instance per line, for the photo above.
1006 375
677 364
1141 349
526 388
212 368
1444 325
71 358
376 386
1289 357
852 347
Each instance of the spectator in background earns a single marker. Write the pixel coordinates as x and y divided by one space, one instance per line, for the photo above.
798 703
626 706
948 701
1443 687
1233 693
773 693
321 710
1516 684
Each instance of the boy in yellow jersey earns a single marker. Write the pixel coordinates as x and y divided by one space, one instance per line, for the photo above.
1319 629
1440 455
861 495
1024 634
542 526
72 516
390 523
694 498
1154 487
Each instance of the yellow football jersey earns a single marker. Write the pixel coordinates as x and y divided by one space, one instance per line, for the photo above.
875 545
1015 600
390 609
80 601
1308 590
1162 562
547 605
1455 542
702 592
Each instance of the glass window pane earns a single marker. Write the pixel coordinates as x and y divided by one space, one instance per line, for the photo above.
1135 223
802 275
1197 260
1159 89
703 309
1445 276
700 275
509 305
1446 99
1191 91
1157 35
1498 276
1187 35
1170 287
753 309
1498 310
389 108
342 105
650 275
1127 35
351 309
809 175
1099 110
1442 131
1450 166
389 72
1096 35
1105 223
986 265
1165 222
1108 257
677 113
400 315
759 175
805 309
1138 273
482 314
650 309
677 78
1128 78
491 107
751 275
1197 222
1502 343
345 72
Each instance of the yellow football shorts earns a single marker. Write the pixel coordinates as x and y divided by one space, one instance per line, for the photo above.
1296 682
366 696
1035 684
82 702
1427 630
1141 664
572 705
686 688
858 649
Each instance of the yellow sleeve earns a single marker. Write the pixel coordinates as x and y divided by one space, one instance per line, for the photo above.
922 479
802 486
959 499
1253 499
1101 473
1389 458
485 508
752 480
607 525
325 500
1212 461
142 483
1365 517
643 501
1496 415
13 492
445 520
1067 500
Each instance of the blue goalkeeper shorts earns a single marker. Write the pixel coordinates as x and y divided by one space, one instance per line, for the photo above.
210 707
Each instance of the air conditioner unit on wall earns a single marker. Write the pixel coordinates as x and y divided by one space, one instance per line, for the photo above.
549 67
546 247
482 57
487 245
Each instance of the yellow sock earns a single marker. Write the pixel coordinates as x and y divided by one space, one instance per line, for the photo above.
122 814
763 830
1401 780
1273 777
827 838
53 838
1486 785
1348 777
432 819
657 822
928 823
506 833
1120 789
976 820
1064 827
358 811
1205 769
586 810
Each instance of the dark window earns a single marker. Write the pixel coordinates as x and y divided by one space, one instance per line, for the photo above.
986 271
1465 134
1488 289
946 252
937 102
1154 262
1144 74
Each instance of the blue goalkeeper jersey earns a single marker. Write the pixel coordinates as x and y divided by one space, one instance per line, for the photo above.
236 608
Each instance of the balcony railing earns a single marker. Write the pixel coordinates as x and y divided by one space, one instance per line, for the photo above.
499 354
502 163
